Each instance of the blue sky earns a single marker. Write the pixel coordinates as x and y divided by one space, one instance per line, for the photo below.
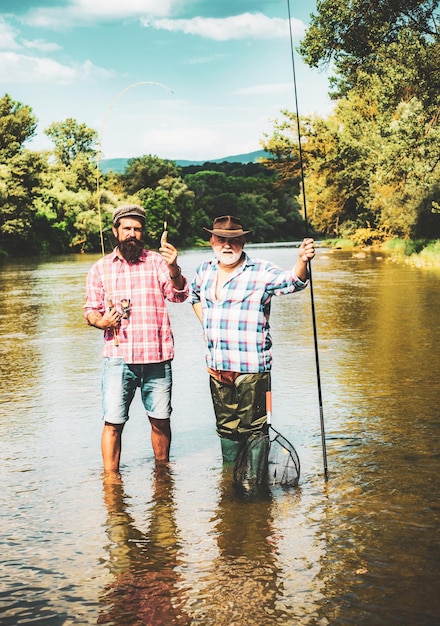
215 73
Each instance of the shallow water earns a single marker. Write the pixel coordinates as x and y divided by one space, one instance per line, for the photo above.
178 546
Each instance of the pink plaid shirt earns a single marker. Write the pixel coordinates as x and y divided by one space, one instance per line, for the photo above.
145 336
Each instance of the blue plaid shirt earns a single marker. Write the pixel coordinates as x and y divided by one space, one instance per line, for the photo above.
236 326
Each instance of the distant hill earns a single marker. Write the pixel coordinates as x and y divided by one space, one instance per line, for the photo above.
119 165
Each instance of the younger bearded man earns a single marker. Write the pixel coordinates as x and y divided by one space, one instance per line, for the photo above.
125 297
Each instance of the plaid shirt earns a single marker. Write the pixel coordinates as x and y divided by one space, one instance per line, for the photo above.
145 336
236 326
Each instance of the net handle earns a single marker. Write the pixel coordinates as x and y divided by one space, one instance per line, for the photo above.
269 406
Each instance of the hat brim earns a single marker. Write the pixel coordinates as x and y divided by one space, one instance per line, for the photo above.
226 233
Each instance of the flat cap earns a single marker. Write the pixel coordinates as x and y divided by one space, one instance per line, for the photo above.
129 210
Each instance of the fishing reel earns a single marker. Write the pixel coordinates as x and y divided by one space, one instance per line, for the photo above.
125 308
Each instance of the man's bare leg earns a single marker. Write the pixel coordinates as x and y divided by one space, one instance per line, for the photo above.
111 446
161 439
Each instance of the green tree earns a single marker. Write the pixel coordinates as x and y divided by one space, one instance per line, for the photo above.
372 166
404 186
20 179
172 202
145 172
72 139
399 38
369 174
69 191
60 210
257 200
17 125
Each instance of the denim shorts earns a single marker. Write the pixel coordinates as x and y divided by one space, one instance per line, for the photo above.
119 384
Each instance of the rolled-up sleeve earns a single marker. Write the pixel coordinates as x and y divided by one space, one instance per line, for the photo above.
95 294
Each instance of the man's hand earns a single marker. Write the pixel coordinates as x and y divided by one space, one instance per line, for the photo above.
110 319
306 250
305 254
169 253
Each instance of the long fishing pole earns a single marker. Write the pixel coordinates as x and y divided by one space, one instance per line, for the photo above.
312 298
98 193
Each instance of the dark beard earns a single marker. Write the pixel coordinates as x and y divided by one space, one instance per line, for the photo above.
131 249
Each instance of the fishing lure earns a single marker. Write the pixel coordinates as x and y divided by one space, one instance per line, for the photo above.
164 238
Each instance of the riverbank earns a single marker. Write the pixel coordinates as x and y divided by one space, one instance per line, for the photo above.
417 253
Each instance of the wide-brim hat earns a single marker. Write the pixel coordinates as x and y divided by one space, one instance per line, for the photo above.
129 210
227 226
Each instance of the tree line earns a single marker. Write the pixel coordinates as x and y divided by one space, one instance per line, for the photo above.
59 201
371 168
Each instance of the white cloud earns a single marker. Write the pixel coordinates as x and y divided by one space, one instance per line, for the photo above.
83 12
41 45
9 40
244 26
19 68
7 36
127 7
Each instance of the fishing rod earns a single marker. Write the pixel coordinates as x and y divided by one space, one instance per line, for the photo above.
312 298
98 193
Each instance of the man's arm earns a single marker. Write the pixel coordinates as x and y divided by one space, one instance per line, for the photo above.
197 308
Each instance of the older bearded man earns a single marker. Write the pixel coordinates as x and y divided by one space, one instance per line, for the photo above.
231 296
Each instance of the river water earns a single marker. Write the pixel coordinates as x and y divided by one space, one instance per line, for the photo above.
178 545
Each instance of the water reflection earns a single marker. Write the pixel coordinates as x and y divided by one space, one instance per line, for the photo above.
244 584
370 572
144 589
19 321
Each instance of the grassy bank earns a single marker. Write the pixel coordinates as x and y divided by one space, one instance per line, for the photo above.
419 253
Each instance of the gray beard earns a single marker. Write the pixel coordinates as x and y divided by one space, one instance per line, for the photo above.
228 259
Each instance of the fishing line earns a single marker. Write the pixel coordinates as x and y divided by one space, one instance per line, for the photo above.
98 193
98 159
312 298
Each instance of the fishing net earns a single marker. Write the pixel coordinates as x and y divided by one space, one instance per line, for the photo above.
283 461
267 460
